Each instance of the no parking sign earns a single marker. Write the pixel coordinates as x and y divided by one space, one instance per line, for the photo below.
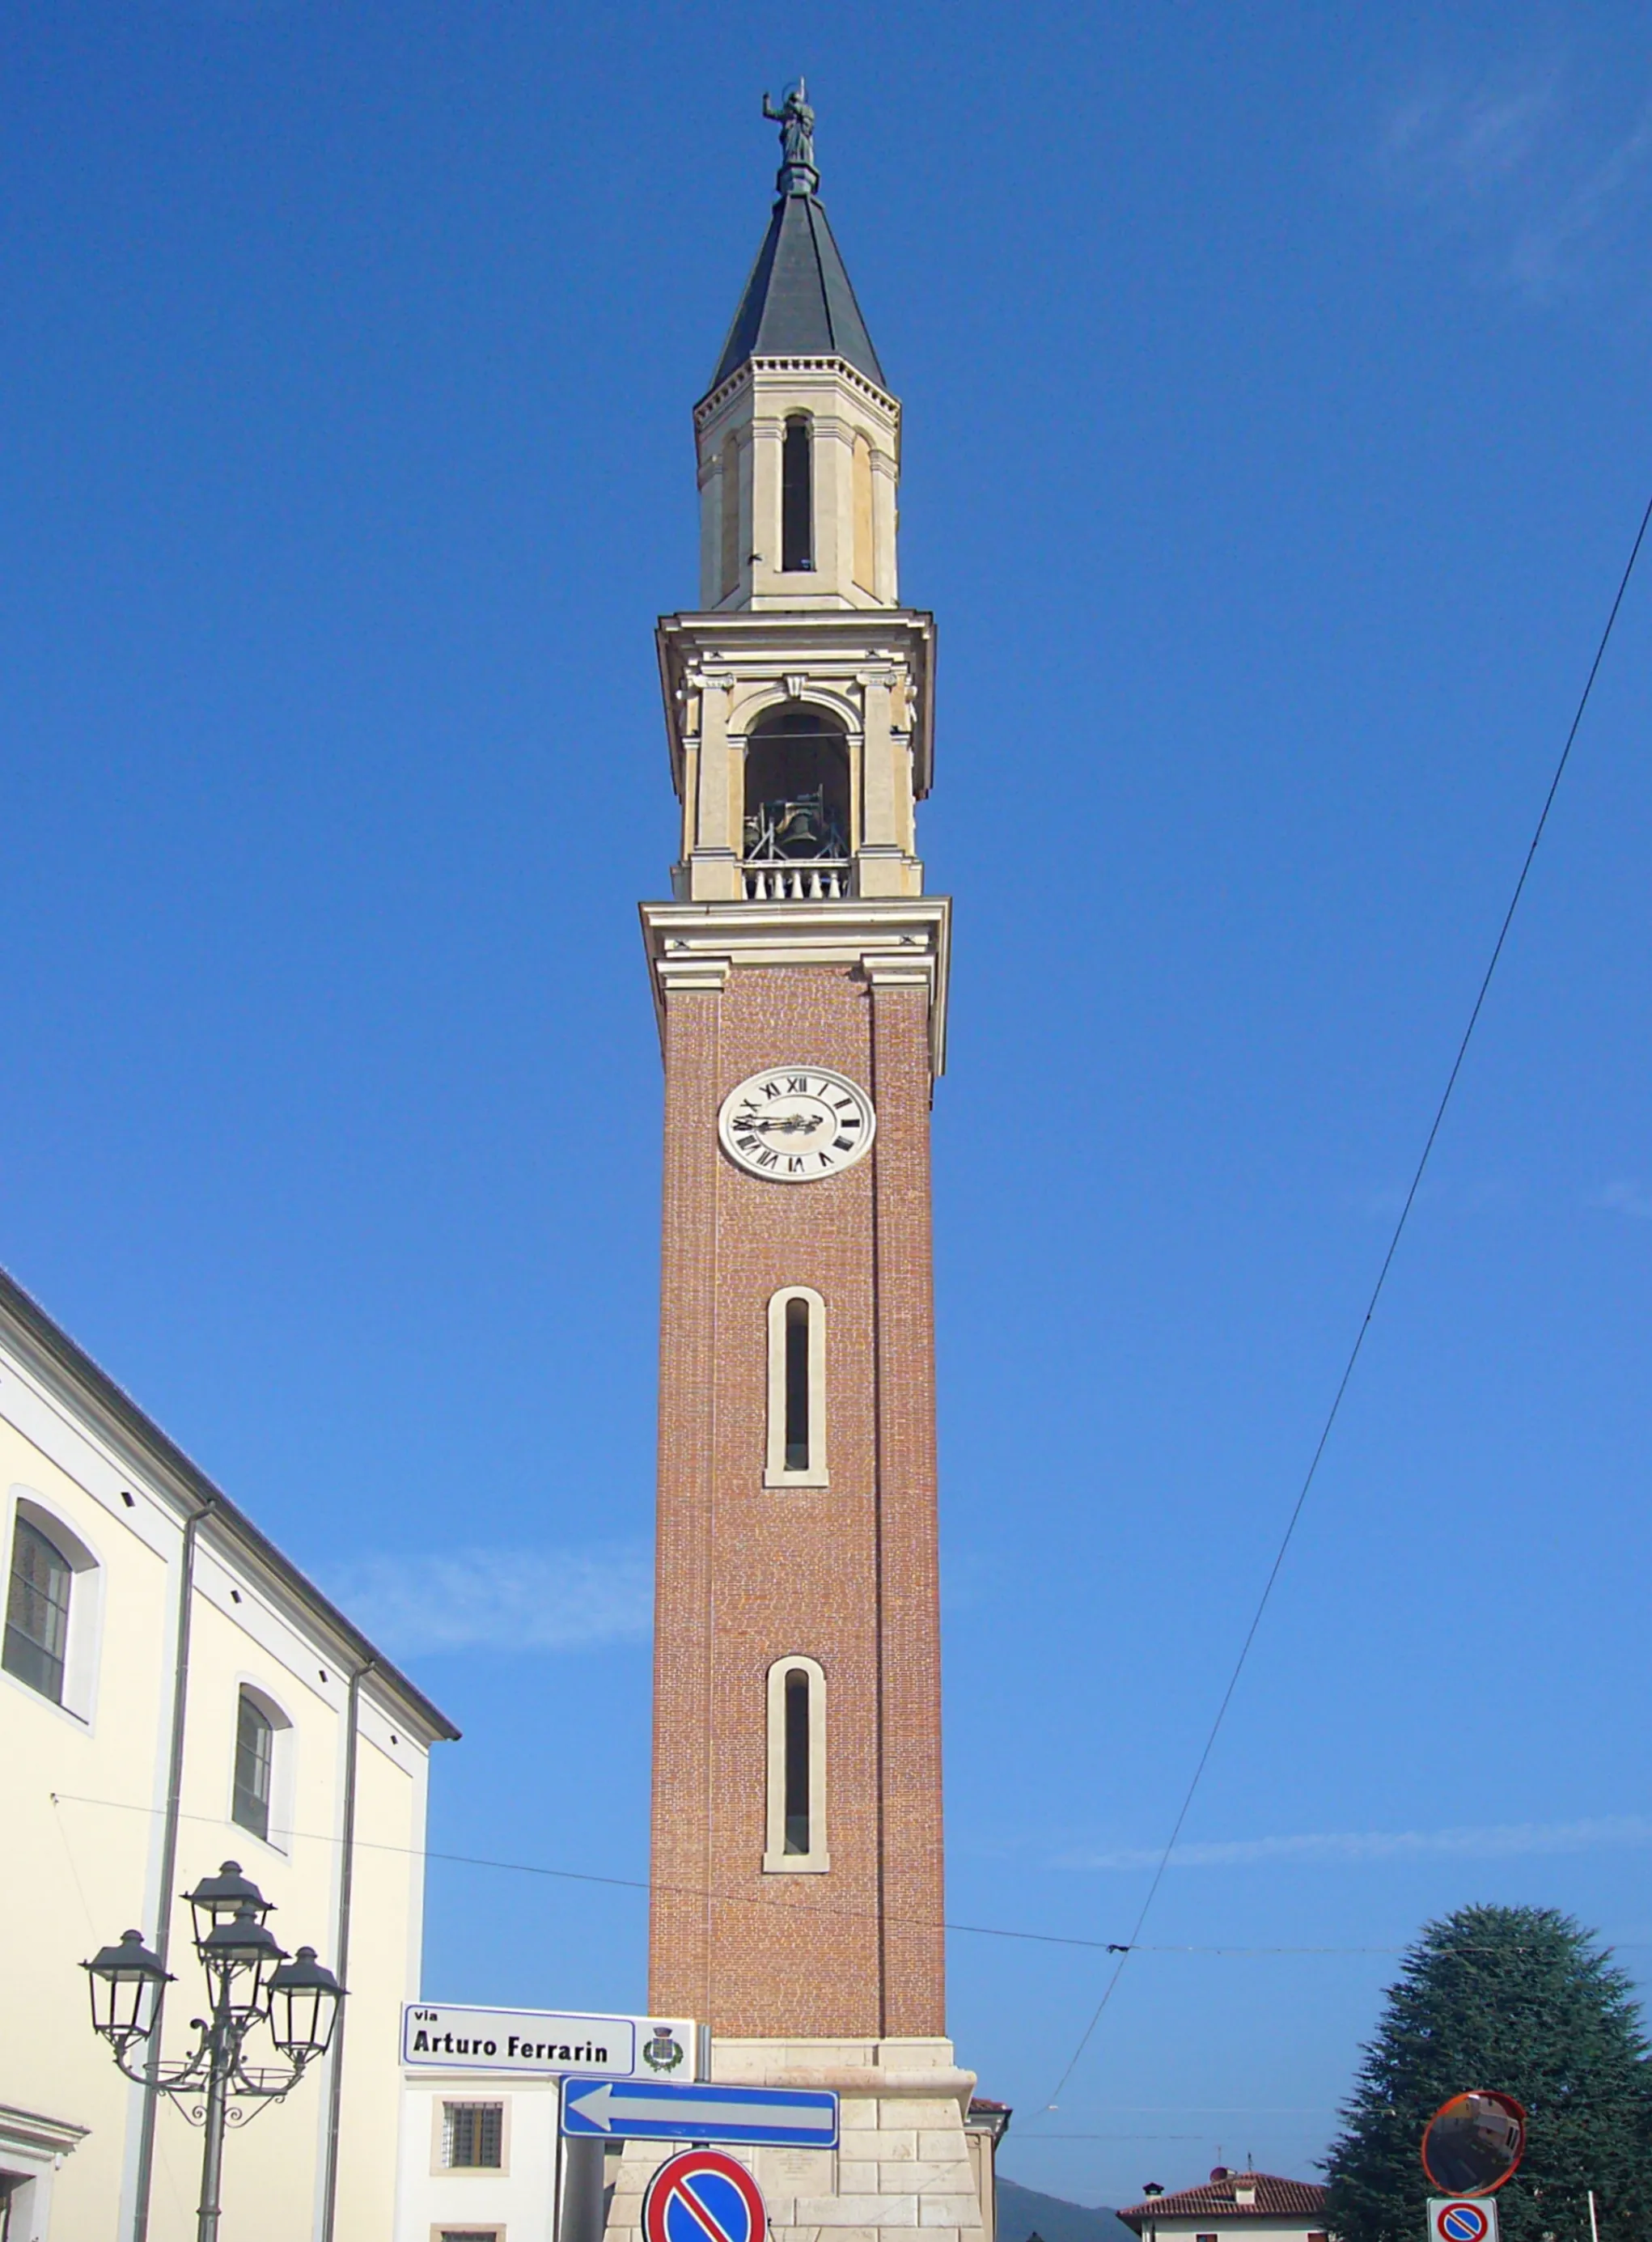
1461 2219
703 2195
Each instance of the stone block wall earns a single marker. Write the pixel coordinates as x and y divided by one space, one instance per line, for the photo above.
902 2162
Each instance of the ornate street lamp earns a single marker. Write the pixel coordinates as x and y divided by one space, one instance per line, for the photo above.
251 1981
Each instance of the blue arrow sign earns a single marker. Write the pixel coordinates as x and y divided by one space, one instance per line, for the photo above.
653 2109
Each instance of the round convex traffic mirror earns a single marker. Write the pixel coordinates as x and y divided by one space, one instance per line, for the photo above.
1474 2142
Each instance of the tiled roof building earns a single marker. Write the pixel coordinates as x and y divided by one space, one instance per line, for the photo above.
1249 2201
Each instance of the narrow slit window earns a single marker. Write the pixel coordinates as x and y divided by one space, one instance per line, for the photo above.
795 1839
796 1441
797 1385
797 495
36 1639
797 1761
254 1766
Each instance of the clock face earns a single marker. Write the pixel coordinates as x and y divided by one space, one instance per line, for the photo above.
793 1124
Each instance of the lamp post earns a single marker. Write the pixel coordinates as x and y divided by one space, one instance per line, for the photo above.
251 1981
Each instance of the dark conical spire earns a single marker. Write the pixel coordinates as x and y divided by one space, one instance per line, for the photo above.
798 302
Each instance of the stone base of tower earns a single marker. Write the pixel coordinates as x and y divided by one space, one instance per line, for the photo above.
903 2162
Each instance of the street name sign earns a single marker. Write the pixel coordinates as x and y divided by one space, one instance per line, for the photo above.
703 2196
544 2042
1462 2219
748 2116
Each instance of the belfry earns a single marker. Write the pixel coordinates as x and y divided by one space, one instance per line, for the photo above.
800 976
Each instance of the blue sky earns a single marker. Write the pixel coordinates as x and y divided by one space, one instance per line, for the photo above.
1275 383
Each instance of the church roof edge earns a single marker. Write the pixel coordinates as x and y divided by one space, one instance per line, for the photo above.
29 1320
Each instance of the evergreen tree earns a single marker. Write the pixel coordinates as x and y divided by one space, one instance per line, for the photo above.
1519 2000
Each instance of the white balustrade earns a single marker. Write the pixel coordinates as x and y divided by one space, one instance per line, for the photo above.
821 881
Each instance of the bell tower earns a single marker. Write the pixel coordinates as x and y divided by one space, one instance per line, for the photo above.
799 975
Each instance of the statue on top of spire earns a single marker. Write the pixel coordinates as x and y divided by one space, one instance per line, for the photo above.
796 122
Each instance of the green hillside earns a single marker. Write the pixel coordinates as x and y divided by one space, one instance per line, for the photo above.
1022 2211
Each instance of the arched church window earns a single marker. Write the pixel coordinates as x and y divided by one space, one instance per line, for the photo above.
797 833
796 1444
796 1822
53 1607
797 494
797 1385
254 1765
37 1637
797 1800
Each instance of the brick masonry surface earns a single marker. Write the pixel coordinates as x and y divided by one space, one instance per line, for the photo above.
846 1574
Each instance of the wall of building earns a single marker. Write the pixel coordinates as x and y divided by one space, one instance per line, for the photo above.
86 1786
845 1575
1237 2226
385 1929
517 2198
79 1867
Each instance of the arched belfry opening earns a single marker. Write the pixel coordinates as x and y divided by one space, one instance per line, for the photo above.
797 805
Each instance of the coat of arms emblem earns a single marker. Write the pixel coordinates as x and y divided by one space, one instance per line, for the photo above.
664 2051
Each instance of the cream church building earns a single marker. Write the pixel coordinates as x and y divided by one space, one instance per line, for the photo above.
174 1694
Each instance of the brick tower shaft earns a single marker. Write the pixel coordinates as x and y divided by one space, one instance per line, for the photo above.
843 1574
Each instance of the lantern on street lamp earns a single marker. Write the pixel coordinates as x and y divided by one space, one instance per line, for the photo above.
219 1899
304 2006
240 1958
126 1982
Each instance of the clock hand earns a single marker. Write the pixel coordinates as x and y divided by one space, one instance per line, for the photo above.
790 1123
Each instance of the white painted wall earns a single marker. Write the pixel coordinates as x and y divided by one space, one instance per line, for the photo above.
84 1795
1247 2228
518 2198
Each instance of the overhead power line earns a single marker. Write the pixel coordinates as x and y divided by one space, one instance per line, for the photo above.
1331 1415
724 1898
753 1899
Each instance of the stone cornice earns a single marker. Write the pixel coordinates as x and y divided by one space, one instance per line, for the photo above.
838 368
46 2136
897 942
948 2081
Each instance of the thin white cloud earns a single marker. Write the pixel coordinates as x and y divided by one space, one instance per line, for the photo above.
1626 1195
1443 142
1548 249
1511 165
500 1599
1497 1841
